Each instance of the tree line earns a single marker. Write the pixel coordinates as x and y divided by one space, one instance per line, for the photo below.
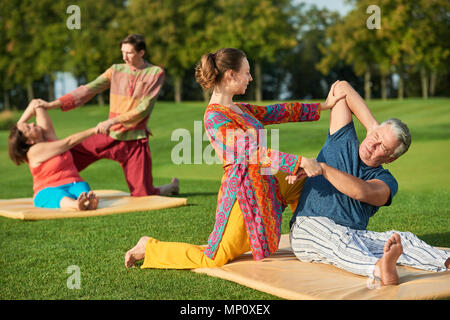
296 51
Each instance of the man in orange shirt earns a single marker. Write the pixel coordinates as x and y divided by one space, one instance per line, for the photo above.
134 87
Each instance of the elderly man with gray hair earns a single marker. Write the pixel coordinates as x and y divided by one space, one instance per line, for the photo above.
346 188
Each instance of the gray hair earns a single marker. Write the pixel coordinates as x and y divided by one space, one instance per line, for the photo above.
402 134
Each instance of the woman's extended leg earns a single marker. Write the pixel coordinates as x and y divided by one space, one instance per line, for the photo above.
178 255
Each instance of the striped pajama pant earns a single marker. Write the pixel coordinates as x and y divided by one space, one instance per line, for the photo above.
321 240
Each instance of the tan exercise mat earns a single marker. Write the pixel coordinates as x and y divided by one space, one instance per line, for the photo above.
284 276
110 202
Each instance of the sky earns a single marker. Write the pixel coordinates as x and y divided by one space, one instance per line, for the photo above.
337 5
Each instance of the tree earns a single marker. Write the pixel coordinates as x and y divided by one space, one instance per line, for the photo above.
261 28
424 44
349 40
93 48
23 48
306 80
176 32
5 82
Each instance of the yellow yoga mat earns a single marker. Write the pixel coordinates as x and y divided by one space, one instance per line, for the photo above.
110 202
283 275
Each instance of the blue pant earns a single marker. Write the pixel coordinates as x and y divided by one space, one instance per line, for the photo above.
51 197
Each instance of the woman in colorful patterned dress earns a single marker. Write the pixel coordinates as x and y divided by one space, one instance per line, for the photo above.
254 191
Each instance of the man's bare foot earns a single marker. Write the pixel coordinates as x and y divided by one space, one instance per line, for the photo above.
136 253
93 200
170 189
83 201
387 264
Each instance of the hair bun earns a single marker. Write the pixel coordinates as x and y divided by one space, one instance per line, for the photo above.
212 66
206 71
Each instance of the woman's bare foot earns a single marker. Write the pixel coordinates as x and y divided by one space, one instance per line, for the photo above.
83 201
93 200
387 264
170 189
136 253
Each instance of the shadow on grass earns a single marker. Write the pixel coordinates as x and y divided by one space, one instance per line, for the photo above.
437 239
197 194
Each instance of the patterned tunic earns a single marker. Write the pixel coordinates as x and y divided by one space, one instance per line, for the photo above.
239 140
132 97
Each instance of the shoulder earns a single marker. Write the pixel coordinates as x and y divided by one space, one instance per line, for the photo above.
121 67
386 176
215 116
155 70
381 174
347 132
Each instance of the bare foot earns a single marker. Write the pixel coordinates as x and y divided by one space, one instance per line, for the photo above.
387 264
93 200
447 263
83 201
136 253
170 189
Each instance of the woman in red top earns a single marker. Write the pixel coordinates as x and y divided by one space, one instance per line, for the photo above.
56 180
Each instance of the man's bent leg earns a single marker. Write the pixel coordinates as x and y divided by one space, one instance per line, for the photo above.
89 151
137 167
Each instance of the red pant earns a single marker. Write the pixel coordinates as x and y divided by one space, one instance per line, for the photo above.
134 157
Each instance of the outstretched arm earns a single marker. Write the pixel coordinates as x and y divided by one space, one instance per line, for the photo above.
342 112
44 151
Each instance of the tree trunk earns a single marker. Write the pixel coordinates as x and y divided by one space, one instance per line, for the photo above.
433 78
383 86
101 99
424 80
258 80
367 92
206 95
30 92
178 87
6 102
51 88
400 86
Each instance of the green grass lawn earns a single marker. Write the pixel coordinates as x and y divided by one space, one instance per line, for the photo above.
35 255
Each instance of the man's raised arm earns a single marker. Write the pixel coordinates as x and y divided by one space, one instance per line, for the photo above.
342 112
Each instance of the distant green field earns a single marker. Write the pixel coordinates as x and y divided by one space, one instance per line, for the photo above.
35 255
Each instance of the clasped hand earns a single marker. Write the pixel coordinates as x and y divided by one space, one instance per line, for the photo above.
308 167
332 99
103 127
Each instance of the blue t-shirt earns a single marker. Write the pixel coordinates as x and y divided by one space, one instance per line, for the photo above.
320 198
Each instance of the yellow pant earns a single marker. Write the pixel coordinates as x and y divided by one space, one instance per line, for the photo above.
234 242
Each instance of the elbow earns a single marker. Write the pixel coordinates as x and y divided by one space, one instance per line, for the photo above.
341 87
362 193
361 196
372 198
